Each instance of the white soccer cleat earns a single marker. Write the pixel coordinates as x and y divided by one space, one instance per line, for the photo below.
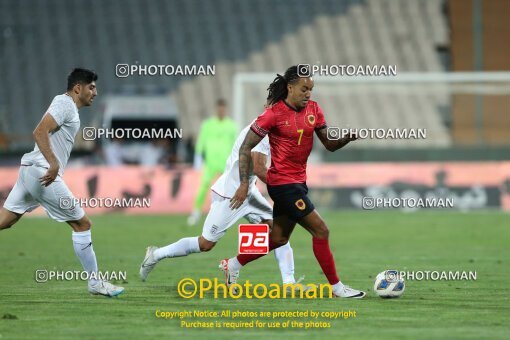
348 292
230 275
194 218
149 262
297 287
105 288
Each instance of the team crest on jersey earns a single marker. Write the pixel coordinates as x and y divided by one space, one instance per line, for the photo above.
310 120
300 204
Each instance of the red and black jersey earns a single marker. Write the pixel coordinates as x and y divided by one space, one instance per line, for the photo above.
291 139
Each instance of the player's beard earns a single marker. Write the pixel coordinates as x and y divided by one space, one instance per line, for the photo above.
88 101
302 104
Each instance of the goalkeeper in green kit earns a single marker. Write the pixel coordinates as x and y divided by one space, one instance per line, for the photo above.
214 144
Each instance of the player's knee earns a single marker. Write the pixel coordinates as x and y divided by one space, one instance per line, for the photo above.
322 232
6 222
279 241
5 225
269 223
282 242
84 224
205 245
87 225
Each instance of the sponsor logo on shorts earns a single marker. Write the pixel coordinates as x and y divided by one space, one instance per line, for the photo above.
300 204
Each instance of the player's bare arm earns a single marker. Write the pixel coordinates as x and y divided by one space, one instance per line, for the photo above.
333 145
41 136
251 140
245 168
259 165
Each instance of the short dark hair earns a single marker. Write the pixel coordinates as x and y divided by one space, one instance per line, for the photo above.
278 88
221 102
80 76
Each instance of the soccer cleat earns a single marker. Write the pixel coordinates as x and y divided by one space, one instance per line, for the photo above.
297 286
105 288
230 276
194 218
348 292
149 262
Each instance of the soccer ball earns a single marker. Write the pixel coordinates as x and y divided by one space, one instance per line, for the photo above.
389 284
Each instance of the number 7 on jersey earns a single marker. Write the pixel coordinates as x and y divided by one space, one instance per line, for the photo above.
300 131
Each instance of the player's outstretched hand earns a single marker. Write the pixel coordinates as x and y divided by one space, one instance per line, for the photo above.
50 176
239 197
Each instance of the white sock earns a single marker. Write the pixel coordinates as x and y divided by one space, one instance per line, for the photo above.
285 257
82 243
234 265
183 247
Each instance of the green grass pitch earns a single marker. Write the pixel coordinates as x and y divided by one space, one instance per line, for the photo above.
363 243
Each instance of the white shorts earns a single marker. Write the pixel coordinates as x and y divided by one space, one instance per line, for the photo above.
255 209
28 194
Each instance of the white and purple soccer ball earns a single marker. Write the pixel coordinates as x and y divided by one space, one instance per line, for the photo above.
389 284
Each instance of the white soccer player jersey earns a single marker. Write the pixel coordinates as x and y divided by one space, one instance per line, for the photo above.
64 111
228 182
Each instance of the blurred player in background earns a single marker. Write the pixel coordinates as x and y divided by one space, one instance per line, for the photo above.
290 122
40 176
216 137
255 209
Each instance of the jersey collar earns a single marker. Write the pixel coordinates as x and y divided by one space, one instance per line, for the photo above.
290 107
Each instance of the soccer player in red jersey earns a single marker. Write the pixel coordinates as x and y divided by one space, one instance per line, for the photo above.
290 120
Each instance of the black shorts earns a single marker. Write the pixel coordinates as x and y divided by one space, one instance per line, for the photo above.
290 200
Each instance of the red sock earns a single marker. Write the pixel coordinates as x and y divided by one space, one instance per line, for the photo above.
247 258
325 258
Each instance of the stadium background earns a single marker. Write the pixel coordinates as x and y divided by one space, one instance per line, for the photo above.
465 154
266 37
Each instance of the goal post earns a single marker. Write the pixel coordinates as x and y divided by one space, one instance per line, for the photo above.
455 108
